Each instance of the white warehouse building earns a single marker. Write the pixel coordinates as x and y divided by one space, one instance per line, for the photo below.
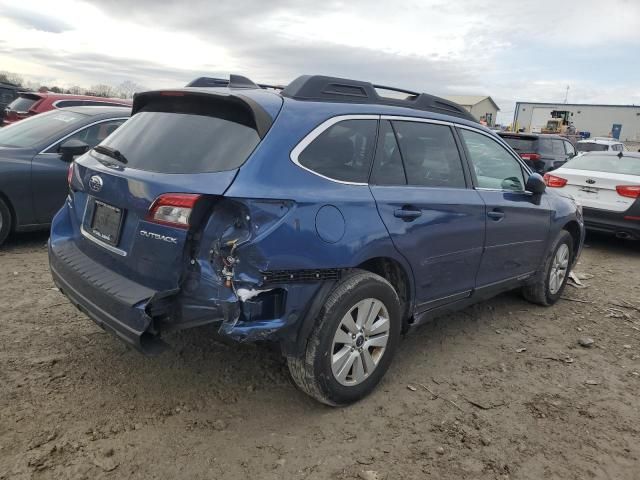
617 121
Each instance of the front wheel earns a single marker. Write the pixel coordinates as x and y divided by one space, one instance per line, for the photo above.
353 342
551 280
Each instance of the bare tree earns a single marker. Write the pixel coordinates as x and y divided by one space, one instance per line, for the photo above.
75 90
103 90
128 88
11 77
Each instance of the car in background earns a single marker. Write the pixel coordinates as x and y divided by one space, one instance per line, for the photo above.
607 184
34 161
600 144
542 152
8 93
31 103
326 218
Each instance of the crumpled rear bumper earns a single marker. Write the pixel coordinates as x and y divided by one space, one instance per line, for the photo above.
137 314
114 302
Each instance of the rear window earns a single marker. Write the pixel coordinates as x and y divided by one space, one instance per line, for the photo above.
35 130
343 151
605 163
591 147
22 104
205 136
520 144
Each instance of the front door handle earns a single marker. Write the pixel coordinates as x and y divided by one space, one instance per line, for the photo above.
407 214
496 215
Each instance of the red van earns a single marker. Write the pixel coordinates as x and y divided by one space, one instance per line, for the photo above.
32 103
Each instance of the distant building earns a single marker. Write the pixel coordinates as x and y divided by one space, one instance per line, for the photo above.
617 121
480 106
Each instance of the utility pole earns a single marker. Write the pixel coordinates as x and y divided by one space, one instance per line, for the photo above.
566 95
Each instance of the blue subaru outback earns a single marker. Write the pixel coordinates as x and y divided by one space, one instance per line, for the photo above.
323 216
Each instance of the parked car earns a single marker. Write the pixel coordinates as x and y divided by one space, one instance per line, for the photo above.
325 218
34 160
8 93
599 144
32 103
607 184
542 152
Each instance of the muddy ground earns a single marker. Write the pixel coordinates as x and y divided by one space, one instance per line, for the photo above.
500 390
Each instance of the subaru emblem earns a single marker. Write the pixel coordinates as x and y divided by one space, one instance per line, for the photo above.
590 181
95 183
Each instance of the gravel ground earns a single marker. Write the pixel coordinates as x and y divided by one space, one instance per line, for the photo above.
499 390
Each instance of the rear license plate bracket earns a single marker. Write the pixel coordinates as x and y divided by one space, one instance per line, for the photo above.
106 222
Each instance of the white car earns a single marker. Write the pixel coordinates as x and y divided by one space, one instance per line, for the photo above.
607 184
600 144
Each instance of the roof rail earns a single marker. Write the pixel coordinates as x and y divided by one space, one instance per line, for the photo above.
331 89
234 81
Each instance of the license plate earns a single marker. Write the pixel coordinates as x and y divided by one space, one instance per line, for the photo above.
106 222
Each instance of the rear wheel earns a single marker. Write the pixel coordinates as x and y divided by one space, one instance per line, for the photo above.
353 342
550 282
5 221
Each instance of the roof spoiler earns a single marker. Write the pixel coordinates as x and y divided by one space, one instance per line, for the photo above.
261 118
234 81
332 89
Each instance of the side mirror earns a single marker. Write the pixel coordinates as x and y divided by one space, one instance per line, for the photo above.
72 148
535 184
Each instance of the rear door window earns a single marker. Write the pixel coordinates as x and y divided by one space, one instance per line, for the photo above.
387 167
68 103
91 135
343 151
494 166
207 135
430 155
569 149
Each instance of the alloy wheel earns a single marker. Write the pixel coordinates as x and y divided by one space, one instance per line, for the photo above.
360 341
559 269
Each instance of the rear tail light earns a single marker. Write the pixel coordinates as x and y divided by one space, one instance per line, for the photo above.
530 156
631 191
554 181
173 209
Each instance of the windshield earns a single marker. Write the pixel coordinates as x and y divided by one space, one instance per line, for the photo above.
605 163
183 143
22 104
521 144
33 131
591 147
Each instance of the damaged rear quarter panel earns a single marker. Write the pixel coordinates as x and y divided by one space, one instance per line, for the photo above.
267 222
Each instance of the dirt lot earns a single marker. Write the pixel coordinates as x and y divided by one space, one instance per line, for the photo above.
500 390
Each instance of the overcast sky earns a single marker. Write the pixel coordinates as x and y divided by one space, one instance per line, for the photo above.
511 50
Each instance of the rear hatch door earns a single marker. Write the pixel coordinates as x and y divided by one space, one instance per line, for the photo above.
143 195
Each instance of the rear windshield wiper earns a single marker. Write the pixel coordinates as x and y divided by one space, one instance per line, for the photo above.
111 152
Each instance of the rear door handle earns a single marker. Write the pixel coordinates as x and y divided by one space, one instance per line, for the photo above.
495 215
407 214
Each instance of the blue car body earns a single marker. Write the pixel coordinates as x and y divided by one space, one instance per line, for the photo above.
272 238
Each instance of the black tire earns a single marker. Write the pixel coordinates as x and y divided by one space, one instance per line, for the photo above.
313 372
539 291
6 221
